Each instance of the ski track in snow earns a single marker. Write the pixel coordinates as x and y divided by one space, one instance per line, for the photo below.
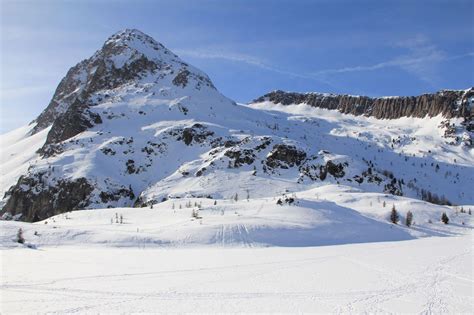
425 276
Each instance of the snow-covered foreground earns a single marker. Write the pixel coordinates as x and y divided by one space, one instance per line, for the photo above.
430 275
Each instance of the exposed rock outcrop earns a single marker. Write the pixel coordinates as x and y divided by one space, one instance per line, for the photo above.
195 134
448 103
285 156
44 201
240 157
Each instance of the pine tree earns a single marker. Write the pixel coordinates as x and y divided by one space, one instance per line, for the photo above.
19 236
195 214
409 219
444 218
394 217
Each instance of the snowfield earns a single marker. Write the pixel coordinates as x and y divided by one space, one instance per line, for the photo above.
425 276
243 256
328 215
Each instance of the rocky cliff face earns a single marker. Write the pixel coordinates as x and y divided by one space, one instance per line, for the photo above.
447 103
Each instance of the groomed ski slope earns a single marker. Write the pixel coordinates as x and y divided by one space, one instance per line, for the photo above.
424 276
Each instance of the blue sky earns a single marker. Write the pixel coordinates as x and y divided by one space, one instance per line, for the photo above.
248 48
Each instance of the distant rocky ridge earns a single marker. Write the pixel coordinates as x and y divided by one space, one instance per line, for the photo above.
449 103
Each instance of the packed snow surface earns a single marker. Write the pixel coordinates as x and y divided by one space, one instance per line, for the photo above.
244 255
424 276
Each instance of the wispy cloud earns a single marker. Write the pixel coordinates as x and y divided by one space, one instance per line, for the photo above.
243 58
421 60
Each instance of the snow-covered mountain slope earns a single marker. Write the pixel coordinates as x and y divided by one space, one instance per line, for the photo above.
18 149
134 125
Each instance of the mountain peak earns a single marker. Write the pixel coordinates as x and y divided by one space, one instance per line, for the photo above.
134 43
128 57
130 36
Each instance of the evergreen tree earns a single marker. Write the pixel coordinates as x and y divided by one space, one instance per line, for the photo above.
394 217
444 218
409 219
19 236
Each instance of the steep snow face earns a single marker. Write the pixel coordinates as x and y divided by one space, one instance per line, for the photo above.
134 125
18 150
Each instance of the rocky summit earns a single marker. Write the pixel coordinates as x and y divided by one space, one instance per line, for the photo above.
134 125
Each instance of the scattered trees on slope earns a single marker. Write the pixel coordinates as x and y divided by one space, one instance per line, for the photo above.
394 216
444 218
409 219
19 236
